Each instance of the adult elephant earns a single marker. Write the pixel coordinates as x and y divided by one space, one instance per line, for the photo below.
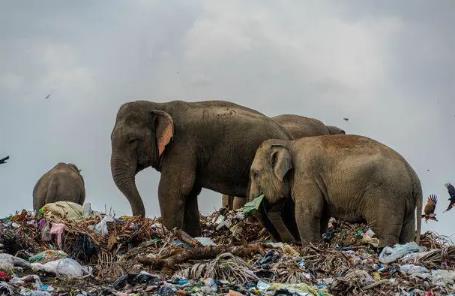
298 127
196 145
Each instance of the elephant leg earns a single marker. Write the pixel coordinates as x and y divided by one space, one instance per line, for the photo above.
191 220
324 221
308 212
238 202
174 191
386 216
227 201
408 231
267 224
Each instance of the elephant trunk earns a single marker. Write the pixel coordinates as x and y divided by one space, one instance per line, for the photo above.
124 177
253 191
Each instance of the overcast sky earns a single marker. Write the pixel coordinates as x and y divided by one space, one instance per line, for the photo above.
386 65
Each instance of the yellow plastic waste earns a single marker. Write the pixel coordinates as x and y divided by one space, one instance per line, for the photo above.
64 210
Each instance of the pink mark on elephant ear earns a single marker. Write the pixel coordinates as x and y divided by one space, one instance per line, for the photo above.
164 130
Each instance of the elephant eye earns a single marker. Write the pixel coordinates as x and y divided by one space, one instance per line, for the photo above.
131 141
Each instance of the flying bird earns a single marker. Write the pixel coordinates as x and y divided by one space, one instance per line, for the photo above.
3 160
345 119
451 191
430 207
47 97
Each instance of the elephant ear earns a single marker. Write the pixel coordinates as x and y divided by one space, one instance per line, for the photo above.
281 161
164 129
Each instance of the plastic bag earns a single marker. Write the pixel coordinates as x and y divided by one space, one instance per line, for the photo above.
67 267
101 227
415 270
389 254
300 289
368 238
205 241
442 277
58 229
47 256
9 262
5 289
87 210
251 207
360 277
63 209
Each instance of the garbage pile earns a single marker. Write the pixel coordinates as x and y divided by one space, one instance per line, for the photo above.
66 249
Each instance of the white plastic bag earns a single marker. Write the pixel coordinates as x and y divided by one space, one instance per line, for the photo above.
205 241
101 227
415 270
442 277
389 254
8 262
67 267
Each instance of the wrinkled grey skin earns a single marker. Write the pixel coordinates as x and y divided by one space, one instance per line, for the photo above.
298 127
194 145
62 183
351 178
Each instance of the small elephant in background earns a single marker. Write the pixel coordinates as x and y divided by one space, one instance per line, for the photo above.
351 178
298 127
62 183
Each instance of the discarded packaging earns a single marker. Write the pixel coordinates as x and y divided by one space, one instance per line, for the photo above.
389 254
205 241
63 209
67 267
251 207
47 256
8 263
415 270
101 227
443 277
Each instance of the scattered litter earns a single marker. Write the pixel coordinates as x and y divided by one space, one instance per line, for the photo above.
5 289
67 268
87 210
301 289
8 263
442 277
101 227
251 207
389 254
205 241
102 255
64 210
46 256
58 229
415 270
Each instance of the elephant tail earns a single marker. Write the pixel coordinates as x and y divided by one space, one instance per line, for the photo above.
419 200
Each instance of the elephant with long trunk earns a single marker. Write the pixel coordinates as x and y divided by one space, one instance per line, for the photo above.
196 145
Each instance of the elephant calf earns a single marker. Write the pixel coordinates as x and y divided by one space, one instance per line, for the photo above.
62 183
352 178
298 127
